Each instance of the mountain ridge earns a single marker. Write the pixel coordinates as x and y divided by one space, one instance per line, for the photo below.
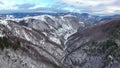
47 41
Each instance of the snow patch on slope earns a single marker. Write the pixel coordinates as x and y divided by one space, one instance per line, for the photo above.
3 22
55 40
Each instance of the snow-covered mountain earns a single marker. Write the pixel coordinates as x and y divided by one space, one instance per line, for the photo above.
35 49
35 41
96 46
41 41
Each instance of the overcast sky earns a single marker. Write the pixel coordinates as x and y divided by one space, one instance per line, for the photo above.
81 6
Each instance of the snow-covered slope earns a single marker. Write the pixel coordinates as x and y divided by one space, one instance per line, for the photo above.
41 40
59 27
36 49
97 46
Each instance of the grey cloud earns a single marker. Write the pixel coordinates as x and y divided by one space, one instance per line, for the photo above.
64 7
24 6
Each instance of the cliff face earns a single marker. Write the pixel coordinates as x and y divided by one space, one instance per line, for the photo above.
94 47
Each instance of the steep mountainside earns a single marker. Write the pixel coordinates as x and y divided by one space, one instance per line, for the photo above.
35 42
27 48
39 42
97 46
